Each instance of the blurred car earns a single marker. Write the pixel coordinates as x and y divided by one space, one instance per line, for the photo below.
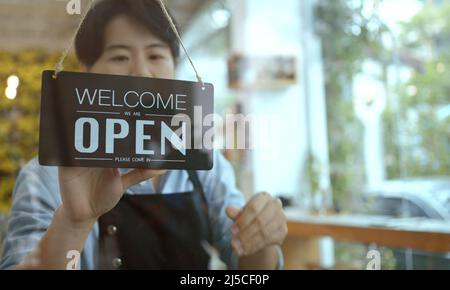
421 198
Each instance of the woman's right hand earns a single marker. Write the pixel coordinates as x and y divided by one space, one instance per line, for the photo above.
88 193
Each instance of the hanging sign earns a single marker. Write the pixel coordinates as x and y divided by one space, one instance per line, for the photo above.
95 120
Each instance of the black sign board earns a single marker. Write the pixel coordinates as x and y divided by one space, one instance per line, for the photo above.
95 120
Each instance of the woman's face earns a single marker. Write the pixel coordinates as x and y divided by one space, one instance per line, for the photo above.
130 49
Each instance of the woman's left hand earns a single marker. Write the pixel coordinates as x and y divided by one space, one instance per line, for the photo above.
261 223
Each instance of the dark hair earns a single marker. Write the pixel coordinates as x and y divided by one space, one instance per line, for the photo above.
89 41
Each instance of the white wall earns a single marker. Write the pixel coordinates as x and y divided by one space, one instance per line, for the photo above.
261 27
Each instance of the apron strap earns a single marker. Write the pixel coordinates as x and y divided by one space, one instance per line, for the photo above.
198 187
193 177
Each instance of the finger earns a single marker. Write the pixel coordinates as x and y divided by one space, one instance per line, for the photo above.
267 234
135 176
233 212
274 236
271 212
116 171
251 210
278 236
280 202
257 244
237 247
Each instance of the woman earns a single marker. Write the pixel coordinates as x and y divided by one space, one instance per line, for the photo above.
57 211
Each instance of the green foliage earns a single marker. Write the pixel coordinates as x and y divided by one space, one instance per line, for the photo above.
348 38
19 118
429 27
416 137
424 146
416 140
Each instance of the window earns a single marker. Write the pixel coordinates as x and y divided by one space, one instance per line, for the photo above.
387 81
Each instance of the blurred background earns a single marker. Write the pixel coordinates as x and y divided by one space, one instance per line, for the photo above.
363 88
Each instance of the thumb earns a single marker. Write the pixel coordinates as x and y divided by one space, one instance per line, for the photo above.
233 212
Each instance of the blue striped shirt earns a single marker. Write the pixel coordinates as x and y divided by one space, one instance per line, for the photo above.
36 197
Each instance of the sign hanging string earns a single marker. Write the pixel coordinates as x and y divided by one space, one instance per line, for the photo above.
60 65
175 30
